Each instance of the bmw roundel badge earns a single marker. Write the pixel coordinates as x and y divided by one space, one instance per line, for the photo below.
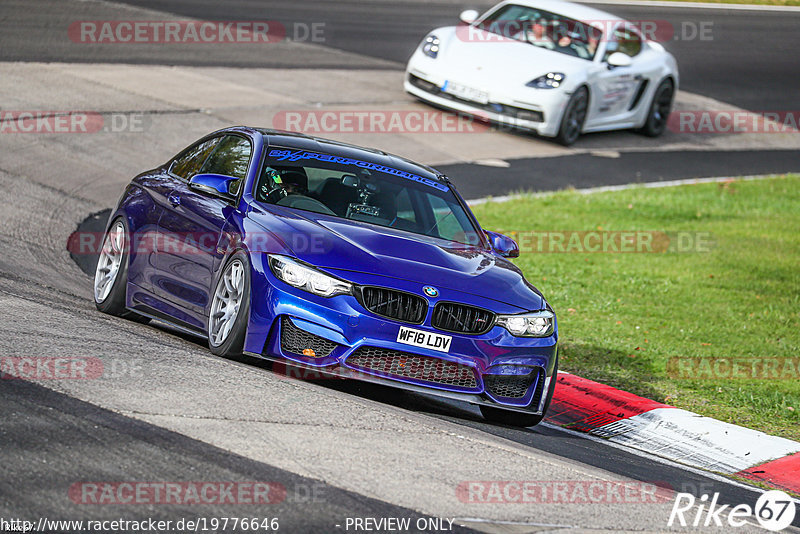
431 291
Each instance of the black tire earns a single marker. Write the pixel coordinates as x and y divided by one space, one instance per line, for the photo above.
114 302
511 418
574 117
660 108
233 343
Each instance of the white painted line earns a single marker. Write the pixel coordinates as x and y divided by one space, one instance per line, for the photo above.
606 188
504 522
697 5
696 440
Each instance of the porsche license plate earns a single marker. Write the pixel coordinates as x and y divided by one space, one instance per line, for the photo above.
420 338
466 92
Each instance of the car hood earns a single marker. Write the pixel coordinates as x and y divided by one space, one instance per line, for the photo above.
473 56
341 245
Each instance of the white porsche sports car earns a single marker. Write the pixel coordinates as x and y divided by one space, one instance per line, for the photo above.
556 68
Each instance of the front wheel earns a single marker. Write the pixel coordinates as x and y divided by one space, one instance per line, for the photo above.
660 108
111 274
230 307
574 117
508 417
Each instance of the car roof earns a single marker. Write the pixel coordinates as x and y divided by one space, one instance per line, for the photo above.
578 12
280 138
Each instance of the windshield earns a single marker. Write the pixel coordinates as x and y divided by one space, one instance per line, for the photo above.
362 191
544 29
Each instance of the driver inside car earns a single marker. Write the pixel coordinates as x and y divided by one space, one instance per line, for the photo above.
276 183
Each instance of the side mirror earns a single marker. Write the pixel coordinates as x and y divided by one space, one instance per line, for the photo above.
503 245
216 185
618 59
468 16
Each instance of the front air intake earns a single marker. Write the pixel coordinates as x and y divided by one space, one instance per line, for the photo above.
396 364
297 341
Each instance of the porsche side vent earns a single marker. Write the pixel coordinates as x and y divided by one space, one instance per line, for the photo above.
298 341
512 386
395 364
461 318
642 88
405 307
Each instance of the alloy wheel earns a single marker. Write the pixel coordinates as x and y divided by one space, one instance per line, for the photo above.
109 262
227 300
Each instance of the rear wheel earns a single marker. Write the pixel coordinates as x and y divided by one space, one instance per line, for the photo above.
511 418
574 117
230 307
660 108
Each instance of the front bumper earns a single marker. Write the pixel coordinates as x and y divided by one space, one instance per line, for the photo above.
338 337
543 118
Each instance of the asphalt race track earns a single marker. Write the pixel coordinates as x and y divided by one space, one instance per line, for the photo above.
165 409
747 63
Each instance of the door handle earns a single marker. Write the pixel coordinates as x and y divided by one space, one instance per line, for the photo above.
174 199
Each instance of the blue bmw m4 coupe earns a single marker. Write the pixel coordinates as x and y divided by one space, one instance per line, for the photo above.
335 258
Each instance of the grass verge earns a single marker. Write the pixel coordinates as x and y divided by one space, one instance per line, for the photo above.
732 293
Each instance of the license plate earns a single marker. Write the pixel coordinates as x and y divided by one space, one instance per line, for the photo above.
420 338
466 92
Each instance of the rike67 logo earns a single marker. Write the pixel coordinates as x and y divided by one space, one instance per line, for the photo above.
774 510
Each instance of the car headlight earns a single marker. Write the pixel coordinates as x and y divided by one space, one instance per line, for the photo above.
430 46
551 80
307 278
536 324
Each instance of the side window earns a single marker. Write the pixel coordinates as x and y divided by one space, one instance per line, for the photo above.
624 40
189 164
231 158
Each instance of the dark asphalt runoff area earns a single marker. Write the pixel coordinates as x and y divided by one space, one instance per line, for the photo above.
56 448
583 171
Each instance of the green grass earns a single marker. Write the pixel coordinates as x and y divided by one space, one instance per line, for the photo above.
622 316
